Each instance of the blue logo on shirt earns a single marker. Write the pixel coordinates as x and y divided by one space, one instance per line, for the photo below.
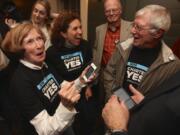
72 61
49 87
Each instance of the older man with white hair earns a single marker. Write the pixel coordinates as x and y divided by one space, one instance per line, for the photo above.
144 61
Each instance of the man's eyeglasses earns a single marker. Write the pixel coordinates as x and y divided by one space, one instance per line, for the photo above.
140 28
112 11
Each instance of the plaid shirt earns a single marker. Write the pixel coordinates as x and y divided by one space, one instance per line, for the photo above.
109 45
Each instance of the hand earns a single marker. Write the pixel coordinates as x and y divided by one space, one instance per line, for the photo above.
11 23
115 114
69 95
137 96
54 15
88 93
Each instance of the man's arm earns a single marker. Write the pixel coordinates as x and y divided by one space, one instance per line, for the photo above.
116 114
95 51
110 74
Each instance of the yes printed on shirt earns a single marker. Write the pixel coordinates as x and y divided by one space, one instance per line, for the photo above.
73 61
49 87
135 72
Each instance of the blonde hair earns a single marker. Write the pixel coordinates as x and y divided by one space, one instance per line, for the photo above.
14 39
159 16
47 6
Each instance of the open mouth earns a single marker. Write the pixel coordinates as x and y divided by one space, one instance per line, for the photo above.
79 36
40 54
78 39
136 37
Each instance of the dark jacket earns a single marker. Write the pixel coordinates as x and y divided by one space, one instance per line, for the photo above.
159 112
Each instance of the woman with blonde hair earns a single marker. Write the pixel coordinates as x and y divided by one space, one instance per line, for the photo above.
41 17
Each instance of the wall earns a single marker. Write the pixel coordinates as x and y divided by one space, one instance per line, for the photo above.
95 18
84 17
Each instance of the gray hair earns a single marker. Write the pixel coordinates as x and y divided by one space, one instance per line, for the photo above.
159 16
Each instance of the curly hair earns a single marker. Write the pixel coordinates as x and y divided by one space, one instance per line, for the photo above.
61 24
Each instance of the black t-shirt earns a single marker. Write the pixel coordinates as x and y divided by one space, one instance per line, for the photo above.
70 62
138 64
33 91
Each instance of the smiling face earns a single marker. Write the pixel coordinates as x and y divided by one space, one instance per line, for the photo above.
142 32
33 45
39 14
73 35
112 10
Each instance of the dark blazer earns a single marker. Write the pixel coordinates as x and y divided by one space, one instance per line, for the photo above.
159 112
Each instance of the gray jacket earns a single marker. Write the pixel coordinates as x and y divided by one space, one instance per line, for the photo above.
162 68
100 37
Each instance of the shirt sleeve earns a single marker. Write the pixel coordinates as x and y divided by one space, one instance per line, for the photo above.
52 125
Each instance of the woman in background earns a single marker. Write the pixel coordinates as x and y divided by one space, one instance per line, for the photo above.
41 17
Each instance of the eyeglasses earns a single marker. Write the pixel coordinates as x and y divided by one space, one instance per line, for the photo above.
112 11
140 28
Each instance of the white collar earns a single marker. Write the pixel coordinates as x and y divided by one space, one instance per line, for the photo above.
32 66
